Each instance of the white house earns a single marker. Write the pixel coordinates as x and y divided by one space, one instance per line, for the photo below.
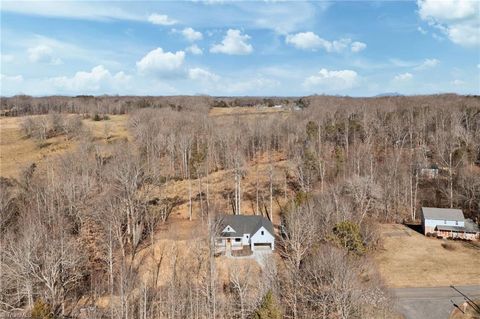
448 222
237 231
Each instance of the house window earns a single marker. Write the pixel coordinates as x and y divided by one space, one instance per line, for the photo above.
238 239
456 222
263 233
444 222
247 236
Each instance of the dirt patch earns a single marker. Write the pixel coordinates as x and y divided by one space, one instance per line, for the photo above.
418 261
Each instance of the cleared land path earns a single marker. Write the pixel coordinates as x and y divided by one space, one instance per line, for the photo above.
432 302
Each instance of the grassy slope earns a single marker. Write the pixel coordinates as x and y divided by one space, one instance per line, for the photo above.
17 151
410 259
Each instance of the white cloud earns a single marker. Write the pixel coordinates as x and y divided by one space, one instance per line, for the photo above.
358 46
161 19
403 77
311 41
447 9
194 49
427 64
234 42
458 82
10 78
307 41
161 63
465 34
5 58
99 11
192 35
422 30
99 79
43 54
199 74
10 84
459 20
332 80
437 37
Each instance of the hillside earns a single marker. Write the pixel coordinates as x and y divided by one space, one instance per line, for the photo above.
137 194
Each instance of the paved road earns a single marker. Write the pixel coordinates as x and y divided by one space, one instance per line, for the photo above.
431 303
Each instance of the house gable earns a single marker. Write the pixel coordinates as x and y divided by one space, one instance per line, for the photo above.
229 229
262 235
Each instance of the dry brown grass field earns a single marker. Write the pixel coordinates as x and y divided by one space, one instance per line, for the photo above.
245 111
409 259
18 152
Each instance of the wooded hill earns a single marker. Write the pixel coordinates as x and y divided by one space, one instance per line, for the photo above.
124 224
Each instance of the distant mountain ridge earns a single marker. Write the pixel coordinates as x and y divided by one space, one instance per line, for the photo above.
389 94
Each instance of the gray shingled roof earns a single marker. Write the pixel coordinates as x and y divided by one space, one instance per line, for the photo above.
245 224
442 213
451 228
471 226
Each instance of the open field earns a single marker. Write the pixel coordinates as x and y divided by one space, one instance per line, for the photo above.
17 151
245 111
409 259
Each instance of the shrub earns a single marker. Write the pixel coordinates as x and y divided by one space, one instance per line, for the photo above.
347 234
439 237
41 310
269 308
448 246
300 198
97 117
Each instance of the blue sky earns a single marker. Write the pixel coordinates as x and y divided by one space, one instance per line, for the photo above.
357 48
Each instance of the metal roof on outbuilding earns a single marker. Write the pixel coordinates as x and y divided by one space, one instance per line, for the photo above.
442 213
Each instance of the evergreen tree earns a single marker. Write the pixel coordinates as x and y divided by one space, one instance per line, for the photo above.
269 308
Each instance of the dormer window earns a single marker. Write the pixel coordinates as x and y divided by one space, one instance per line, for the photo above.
263 233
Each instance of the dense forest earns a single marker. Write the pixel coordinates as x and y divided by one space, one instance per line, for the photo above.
75 232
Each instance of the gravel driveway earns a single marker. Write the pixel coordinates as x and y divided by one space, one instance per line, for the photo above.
260 255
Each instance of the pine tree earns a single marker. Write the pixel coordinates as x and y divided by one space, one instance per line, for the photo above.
269 308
